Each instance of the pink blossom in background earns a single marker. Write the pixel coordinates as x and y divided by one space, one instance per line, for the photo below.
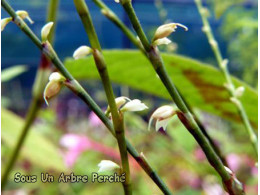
213 189
94 120
77 144
234 161
199 154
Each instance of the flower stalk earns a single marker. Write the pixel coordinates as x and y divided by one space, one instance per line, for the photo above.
117 117
231 184
37 99
222 63
76 88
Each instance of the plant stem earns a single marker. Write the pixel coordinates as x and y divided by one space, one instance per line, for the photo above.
233 186
117 117
224 69
82 94
37 100
115 19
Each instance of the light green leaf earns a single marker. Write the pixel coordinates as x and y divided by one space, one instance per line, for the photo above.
10 73
39 150
200 84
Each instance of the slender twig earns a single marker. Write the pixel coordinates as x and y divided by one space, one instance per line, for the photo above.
116 20
81 93
224 69
117 117
37 100
232 185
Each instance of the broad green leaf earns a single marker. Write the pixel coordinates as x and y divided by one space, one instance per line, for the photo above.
39 150
10 73
200 84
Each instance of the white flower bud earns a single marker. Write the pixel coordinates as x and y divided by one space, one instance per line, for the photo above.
24 15
166 29
228 170
205 29
239 91
46 30
213 43
162 115
162 41
81 52
56 81
117 1
224 63
4 22
107 165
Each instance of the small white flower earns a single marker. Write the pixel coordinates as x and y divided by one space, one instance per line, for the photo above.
125 104
239 91
46 30
56 81
107 165
4 22
162 115
24 15
81 52
117 1
133 106
162 41
166 29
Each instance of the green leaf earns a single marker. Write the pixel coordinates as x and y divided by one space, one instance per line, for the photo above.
10 73
36 148
200 84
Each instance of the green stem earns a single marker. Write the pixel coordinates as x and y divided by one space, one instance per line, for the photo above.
232 185
113 17
117 118
224 69
35 105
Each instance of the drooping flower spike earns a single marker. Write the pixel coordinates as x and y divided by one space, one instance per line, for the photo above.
81 52
162 116
56 81
124 104
107 165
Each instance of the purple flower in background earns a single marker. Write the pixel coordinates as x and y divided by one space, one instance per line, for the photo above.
234 162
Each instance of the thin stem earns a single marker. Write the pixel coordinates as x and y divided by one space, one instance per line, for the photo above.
82 94
37 100
224 69
117 118
232 185
115 19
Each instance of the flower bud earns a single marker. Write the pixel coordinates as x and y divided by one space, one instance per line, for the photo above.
117 1
81 52
235 101
162 41
239 91
56 81
24 15
46 31
4 22
162 115
224 63
107 165
166 29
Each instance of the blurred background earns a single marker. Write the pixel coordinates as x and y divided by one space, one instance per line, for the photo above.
73 133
